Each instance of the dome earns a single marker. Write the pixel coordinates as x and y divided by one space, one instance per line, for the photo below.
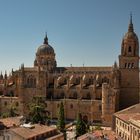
45 49
130 35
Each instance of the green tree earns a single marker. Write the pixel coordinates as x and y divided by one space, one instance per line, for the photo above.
81 127
37 113
5 115
61 118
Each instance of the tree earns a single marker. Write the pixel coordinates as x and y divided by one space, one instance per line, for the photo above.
61 118
37 113
81 127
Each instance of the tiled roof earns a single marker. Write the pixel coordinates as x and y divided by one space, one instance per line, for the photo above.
129 110
32 132
128 117
99 135
136 117
11 122
132 112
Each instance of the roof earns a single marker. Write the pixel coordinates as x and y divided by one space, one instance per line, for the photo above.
10 122
30 68
27 69
89 68
83 69
74 69
99 135
135 121
128 117
132 109
129 114
29 133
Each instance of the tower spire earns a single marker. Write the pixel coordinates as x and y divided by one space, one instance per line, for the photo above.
5 76
130 17
46 39
1 76
130 28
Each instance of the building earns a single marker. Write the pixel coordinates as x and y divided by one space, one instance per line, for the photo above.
6 124
8 104
13 130
37 132
95 92
99 135
127 123
11 122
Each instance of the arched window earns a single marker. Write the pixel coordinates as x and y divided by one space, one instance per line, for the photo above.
62 95
34 82
71 106
5 103
132 65
28 81
85 118
125 65
129 49
31 82
100 107
17 104
105 80
129 65
74 95
88 95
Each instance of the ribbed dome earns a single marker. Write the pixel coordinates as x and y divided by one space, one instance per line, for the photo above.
45 49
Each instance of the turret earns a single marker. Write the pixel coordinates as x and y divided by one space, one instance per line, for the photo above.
22 76
115 76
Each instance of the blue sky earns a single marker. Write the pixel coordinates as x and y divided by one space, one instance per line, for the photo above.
80 31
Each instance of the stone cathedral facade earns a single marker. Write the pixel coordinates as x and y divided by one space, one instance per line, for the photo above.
95 92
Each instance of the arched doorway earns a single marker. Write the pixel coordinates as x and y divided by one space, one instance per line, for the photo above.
85 118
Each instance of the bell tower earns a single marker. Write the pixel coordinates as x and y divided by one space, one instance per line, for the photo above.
129 68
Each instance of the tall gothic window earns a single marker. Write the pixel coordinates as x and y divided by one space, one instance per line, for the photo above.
125 65
129 65
132 65
129 49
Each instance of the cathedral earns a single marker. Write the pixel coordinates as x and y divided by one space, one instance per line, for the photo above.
95 92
